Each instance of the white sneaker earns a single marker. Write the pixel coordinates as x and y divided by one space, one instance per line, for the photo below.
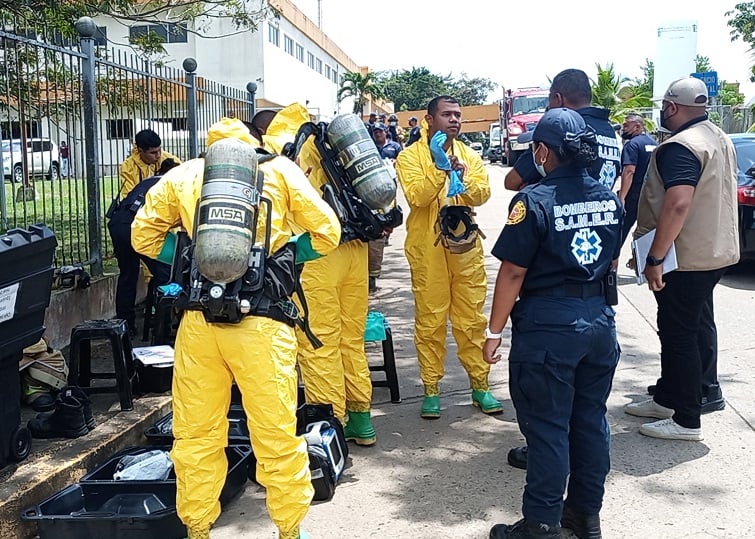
648 408
668 429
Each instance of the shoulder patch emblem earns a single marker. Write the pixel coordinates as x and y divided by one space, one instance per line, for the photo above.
518 213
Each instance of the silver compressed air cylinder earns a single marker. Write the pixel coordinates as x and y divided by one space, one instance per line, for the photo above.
227 209
361 160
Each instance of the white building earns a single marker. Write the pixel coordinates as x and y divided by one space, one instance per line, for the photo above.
289 58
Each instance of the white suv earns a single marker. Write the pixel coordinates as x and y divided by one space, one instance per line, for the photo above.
42 158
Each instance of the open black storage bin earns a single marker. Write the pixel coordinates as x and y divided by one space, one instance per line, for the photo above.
123 510
25 284
98 507
239 458
161 432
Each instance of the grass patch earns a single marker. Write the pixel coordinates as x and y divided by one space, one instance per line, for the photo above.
62 205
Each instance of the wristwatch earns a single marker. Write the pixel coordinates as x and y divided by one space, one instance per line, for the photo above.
490 335
653 261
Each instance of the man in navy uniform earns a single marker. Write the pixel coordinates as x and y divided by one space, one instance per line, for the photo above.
571 89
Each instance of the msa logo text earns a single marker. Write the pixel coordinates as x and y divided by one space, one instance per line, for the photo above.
367 164
227 214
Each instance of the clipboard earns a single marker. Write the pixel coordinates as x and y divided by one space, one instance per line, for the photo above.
640 250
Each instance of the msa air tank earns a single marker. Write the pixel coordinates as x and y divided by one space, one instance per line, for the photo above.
370 177
227 211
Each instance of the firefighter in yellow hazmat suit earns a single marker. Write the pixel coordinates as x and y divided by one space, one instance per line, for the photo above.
445 285
144 161
258 352
336 290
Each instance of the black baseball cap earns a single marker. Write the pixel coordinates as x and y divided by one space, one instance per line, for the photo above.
379 125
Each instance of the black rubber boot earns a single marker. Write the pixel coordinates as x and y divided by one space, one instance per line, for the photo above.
86 403
67 421
584 526
525 530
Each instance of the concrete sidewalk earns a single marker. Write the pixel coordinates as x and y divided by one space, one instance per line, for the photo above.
449 478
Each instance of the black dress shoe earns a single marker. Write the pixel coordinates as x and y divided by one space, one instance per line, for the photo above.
713 400
583 526
517 457
525 530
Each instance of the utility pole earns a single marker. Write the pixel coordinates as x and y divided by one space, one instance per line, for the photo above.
319 14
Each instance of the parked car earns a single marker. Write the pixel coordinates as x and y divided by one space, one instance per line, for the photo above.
42 158
744 143
477 147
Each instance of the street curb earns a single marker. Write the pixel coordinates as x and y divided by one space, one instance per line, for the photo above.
66 461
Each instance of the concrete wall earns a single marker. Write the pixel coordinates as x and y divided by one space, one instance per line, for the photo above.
69 307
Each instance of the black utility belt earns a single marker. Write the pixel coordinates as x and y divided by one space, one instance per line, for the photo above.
587 290
232 312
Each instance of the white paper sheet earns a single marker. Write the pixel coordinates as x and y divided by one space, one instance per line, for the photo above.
155 356
640 250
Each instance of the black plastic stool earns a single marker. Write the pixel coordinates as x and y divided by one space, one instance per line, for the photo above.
388 366
80 374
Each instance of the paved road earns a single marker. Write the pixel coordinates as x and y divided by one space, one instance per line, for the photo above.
449 478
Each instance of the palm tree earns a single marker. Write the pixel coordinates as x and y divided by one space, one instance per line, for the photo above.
616 93
360 87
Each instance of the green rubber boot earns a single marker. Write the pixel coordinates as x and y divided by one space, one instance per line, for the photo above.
486 402
359 429
430 407
294 534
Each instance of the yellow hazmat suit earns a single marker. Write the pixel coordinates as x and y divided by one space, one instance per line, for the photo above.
336 290
444 284
259 353
283 127
134 170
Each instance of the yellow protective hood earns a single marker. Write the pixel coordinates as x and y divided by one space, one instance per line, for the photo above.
230 128
283 127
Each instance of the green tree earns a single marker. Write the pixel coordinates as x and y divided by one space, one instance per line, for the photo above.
474 91
729 94
702 64
412 89
195 15
619 95
644 85
360 87
742 24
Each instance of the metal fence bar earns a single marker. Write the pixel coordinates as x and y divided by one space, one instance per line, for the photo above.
56 89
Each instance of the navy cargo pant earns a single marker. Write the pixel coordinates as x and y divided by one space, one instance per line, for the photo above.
561 365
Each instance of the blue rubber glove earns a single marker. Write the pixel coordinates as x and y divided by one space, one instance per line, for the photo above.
456 185
170 289
439 154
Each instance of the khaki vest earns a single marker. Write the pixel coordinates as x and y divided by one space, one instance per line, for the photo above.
709 238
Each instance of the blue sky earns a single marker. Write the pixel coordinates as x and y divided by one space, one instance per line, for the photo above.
524 43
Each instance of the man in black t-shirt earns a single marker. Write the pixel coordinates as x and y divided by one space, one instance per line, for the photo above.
635 157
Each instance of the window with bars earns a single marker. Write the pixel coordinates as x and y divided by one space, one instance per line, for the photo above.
288 45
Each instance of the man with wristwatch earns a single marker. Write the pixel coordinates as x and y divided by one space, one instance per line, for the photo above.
690 199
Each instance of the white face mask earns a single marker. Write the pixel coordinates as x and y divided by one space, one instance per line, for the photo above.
538 166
